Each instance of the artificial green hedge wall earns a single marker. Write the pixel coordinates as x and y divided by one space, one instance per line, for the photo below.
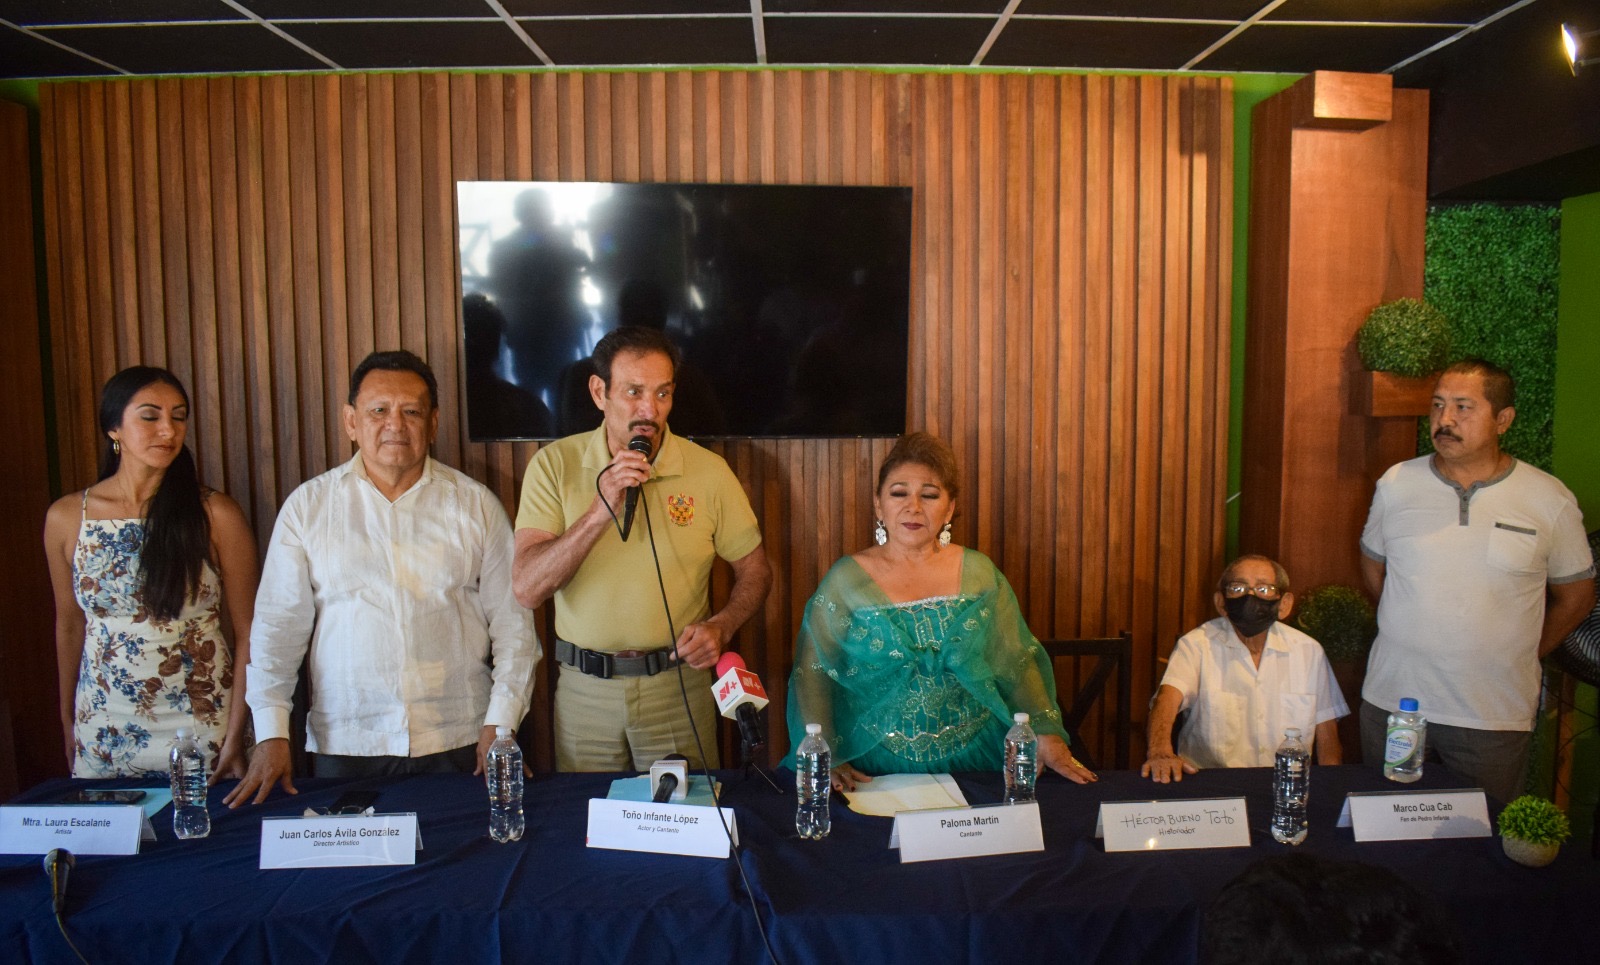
1493 271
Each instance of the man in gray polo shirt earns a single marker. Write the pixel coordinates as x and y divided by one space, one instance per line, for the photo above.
1481 567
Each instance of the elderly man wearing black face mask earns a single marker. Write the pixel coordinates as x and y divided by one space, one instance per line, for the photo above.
1243 678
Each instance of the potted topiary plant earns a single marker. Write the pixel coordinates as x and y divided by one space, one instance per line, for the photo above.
1532 829
1340 618
1402 345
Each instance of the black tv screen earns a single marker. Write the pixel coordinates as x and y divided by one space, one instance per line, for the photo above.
789 303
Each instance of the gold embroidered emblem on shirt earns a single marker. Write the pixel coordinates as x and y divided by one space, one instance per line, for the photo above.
681 509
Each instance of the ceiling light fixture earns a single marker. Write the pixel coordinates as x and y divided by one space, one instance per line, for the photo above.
1572 42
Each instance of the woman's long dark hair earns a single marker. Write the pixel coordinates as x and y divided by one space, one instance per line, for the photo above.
177 534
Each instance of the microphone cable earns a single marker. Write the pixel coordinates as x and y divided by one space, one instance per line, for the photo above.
683 692
61 922
68 939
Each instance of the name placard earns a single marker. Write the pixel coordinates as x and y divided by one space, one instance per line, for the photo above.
80 828
340 841
1413 815
1218 822
966 832
686 829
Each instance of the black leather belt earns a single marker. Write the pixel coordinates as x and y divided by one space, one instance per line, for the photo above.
624 663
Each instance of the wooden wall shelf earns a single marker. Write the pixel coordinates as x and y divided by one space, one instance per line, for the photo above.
1384 395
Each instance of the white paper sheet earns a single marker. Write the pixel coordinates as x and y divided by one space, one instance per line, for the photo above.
888 794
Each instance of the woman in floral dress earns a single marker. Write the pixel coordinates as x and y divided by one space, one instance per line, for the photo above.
148 567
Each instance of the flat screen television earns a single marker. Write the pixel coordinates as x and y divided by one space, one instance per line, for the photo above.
790 303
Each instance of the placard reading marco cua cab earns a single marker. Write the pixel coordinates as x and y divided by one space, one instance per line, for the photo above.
1414 815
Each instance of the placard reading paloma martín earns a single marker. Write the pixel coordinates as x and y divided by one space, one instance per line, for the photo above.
934 835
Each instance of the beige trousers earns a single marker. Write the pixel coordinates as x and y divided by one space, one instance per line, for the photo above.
631 722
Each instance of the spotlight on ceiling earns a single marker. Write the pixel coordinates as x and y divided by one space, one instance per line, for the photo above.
1572 41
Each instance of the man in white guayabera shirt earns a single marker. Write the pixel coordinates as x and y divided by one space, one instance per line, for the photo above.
394 572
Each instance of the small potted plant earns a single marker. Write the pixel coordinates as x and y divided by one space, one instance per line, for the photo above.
1402 344
1341 619
1532 829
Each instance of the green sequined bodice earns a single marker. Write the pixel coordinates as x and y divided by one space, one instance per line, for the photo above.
936 716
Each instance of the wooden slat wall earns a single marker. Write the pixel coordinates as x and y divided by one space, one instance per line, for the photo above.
1069 298
30 729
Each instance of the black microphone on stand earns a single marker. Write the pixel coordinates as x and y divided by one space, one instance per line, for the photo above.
57 864
667 776
639 444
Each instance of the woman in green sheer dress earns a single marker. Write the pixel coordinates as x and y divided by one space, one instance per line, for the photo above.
913 653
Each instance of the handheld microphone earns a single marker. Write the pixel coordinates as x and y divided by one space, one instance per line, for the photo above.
669 779
639 444
740 697
58 864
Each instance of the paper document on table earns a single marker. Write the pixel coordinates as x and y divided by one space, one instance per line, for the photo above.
888 794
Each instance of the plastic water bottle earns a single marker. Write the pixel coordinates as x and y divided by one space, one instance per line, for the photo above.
1406 742
1022 760
503 767
813 764
186 766
1291 789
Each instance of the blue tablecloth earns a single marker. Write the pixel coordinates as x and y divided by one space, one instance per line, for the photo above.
549 898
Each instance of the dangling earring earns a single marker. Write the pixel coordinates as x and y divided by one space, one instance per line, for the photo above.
116 447
879 534
944 536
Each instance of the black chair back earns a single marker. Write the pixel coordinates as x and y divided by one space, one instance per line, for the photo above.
1115 655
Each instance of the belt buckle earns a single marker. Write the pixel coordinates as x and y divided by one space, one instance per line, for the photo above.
595 664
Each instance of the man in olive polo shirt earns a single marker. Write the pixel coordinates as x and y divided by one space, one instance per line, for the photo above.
618 702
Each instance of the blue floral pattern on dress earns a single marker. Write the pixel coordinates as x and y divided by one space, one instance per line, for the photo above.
141 678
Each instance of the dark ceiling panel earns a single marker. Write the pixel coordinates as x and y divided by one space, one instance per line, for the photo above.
1234 10
31 12
723 40
1504 107
874 40
1303 49
1100 44
988 7
1567 176
243 47
1388 11
374 9
401 46
600 8
25 56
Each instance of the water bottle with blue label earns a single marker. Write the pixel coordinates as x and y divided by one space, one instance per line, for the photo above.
1405 742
